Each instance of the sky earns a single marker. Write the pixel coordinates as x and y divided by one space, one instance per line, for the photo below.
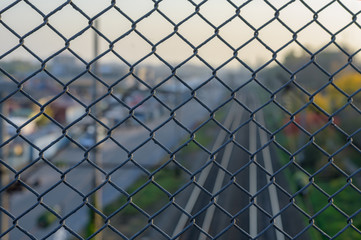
44 42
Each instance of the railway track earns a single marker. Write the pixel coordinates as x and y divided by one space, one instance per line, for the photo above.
234 197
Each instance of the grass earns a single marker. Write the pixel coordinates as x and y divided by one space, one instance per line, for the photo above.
143 194
149 193
330 219
333 219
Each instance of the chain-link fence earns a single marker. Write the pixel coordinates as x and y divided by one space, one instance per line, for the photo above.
160 119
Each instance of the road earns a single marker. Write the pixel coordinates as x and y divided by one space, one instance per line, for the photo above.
66 189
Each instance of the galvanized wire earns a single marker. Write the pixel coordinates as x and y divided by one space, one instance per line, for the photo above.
16 86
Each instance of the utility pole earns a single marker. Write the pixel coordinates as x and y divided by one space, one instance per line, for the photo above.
4 197
97 220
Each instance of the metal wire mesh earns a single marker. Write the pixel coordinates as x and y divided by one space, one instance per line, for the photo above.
162 148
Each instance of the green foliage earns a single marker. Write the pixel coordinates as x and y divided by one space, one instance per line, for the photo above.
331 220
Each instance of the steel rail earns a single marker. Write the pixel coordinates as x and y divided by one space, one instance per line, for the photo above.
204 174
253 223
219 179
275 206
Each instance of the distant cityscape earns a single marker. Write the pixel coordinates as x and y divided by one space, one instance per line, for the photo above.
65 87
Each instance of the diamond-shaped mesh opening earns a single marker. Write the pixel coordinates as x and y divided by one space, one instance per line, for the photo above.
199 111
34 85
221 57
352 29
326 20
79 218
347 120
236 32
311 119
172 10
49 38
155 21
275 78
303 79
265 11
259 88
65 68
312 158
330 99
295 230
190 157
190 30
132 47
248 52
21 195
42 212
82 185
31 18
160 220
119 24
296 15
210 11
304 35
181 51
339 60
295 57
322 139
309 207
86 130
347 205
119 175
330 171
63 21
51 199
284 34
346 159
178 130
192 71
240 199
242 174
81 46
222 225
278 115
143 197
216 89
292 137
332 229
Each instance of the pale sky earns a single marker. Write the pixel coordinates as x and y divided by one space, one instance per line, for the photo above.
44 42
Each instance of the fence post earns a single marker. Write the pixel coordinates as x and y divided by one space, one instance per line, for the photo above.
97 178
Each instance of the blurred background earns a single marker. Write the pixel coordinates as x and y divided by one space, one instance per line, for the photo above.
97 89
